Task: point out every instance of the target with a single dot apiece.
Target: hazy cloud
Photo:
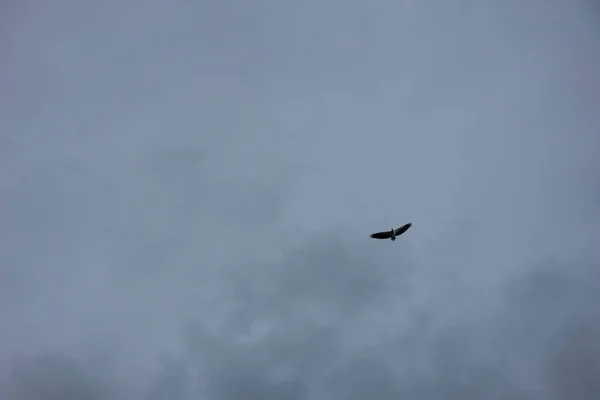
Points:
(189, 189)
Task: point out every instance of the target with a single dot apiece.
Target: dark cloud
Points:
(304, 328)
(56, 377)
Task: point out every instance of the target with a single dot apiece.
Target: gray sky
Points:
(188, 193)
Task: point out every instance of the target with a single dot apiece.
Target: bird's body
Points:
(391, 234)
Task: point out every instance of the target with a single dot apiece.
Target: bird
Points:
(391, 234)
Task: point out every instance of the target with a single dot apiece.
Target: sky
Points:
(188, 190)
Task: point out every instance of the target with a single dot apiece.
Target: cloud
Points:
(188, 195)
(53, 376)
(316, 325)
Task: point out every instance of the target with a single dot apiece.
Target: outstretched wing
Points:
(382, 235)
(403, 229)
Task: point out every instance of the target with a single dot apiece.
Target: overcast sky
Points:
(188, 189)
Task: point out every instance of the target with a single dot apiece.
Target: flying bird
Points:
(391, 234)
